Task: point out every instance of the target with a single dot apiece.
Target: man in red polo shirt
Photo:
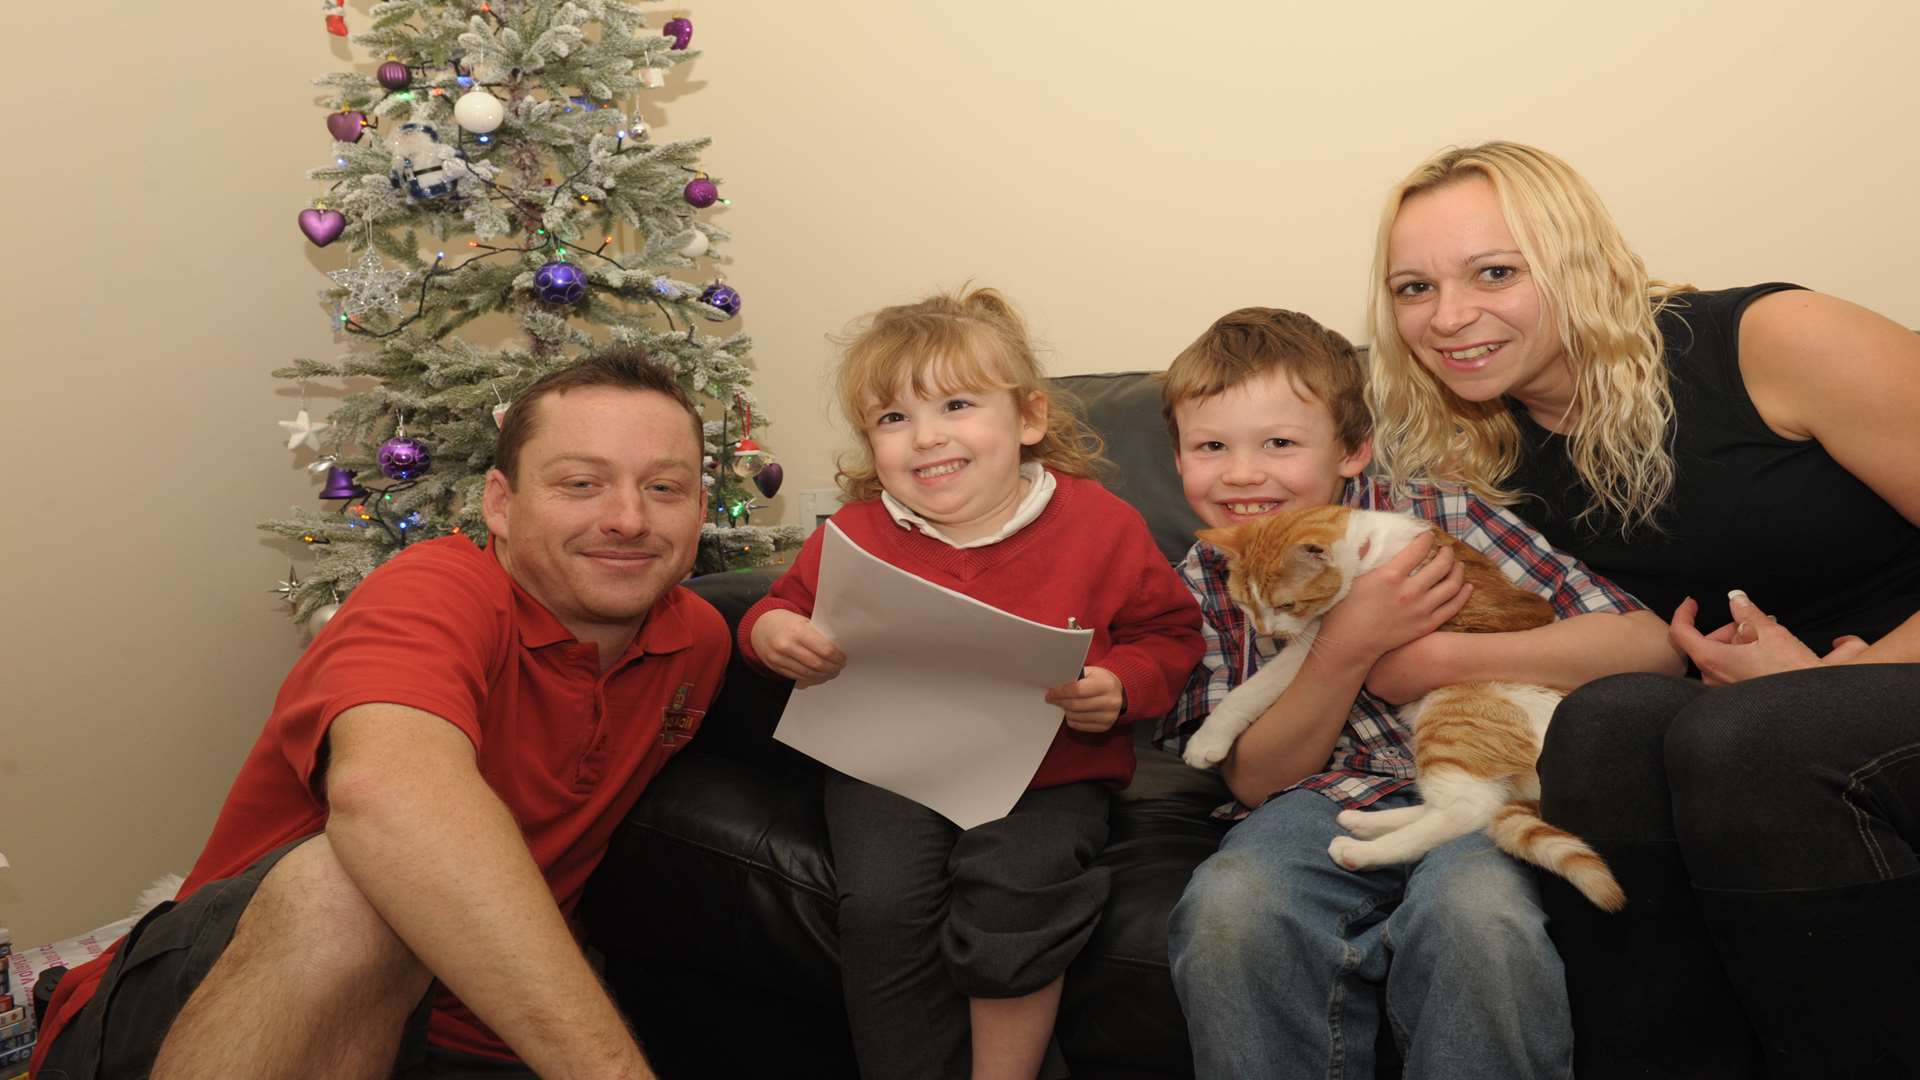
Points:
(440, 774)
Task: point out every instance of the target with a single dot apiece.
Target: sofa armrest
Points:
(740, 722)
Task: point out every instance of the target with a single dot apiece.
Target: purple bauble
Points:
(393, 75)
(402, 458)
(346, 125)
(701, 192)
(680, 30)
(559, 283)
(724, 297)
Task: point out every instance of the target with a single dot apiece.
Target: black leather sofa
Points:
(714, 908)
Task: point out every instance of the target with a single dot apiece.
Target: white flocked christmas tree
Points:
(505, 210)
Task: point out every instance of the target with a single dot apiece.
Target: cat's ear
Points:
(1227, 540)
(1311, 552)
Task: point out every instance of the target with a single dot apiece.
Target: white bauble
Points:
(697, 246)
(321, 616)
(479, 111)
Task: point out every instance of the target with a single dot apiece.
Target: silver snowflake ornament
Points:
(370, 286)
(285, 590)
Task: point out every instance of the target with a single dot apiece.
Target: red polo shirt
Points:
(568, 748)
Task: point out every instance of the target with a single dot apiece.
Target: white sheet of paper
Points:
(943, 697)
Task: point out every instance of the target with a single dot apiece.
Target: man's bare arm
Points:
(441, 859)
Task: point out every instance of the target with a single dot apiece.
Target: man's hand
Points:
(1093, 701)
(1393, 604)
(791, 645)
(1750, 646)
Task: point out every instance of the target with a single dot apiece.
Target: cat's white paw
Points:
(1207, 747)
(1361, 824)
(1372, 824)
(1350, 853)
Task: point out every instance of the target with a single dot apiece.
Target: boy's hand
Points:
(788, 643)
(1396, 603)
(1093, 701)
(1417, 668)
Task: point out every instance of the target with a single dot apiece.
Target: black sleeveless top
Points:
(1810, 543)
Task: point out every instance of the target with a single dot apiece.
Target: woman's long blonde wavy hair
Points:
(972, 341)
(1596, 291)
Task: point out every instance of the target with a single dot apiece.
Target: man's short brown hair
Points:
(626, 368)
(1246, 344)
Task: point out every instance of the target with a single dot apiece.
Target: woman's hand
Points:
(1393, 604)
(1750, 646)
(1093, 702)
(791, 645)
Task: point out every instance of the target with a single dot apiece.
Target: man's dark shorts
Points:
(163, 960)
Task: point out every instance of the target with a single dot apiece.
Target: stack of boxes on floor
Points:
(24, 969)
(16, 1016)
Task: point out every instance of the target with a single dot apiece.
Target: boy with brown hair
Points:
(1279, 955)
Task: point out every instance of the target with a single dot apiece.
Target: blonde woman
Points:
(1743, 459)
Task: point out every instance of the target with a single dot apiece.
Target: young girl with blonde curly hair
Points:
(953, 943)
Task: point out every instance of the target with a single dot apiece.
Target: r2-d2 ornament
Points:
(420, 163)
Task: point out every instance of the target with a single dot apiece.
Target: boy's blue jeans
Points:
(1279, 955)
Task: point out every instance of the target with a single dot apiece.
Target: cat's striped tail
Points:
(1516, 829)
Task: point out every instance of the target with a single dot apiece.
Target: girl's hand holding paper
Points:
(790, 644)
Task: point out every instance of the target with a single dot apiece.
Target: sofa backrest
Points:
(1124, 408)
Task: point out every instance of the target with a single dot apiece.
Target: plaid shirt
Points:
(1373, 755)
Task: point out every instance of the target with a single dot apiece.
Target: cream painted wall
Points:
(1125, 171)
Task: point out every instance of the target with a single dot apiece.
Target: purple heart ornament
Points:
(681, 31)
(768, 479)
(322, 227)
(346, 125)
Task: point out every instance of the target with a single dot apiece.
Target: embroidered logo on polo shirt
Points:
(677, 722)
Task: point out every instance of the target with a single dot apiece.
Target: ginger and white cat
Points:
(1475, 744)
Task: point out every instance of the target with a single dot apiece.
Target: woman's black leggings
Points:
(1765, 834)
